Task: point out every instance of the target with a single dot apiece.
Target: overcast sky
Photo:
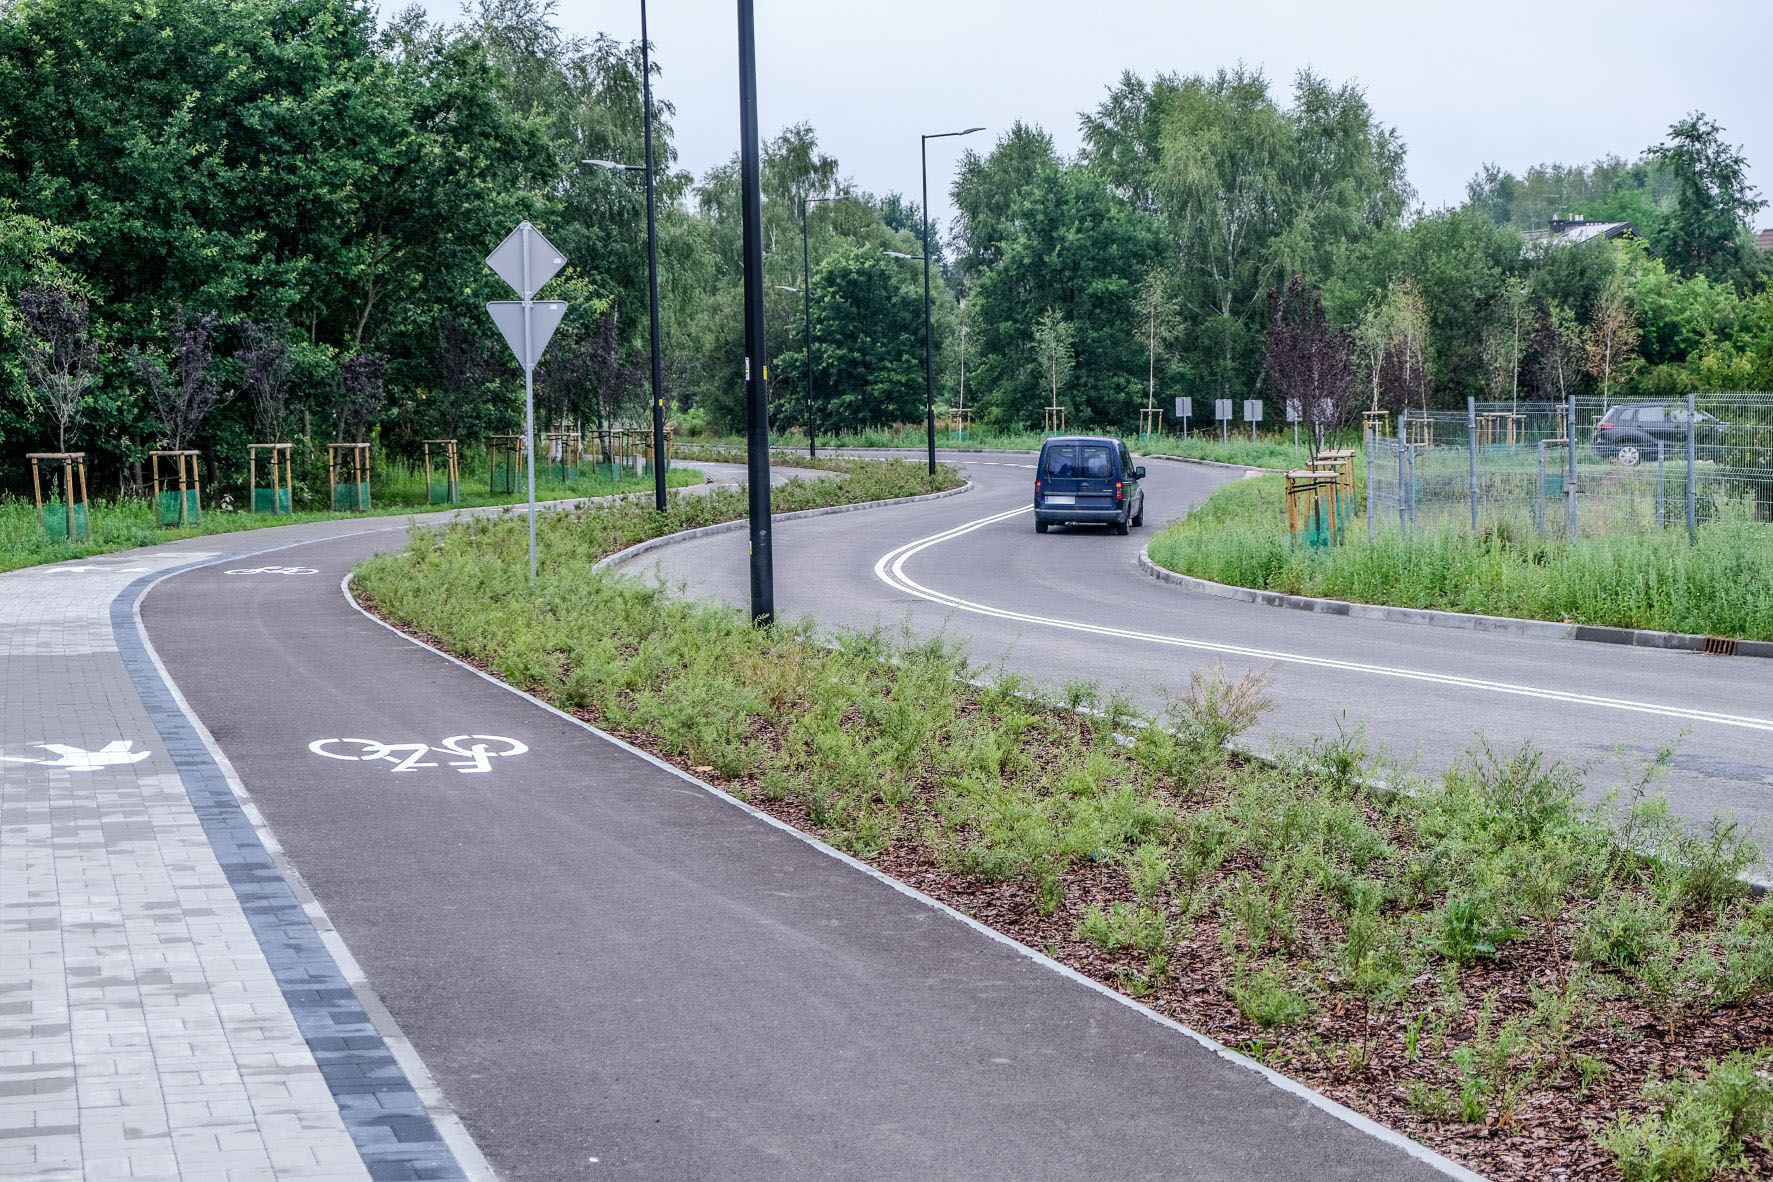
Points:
(1508, 81)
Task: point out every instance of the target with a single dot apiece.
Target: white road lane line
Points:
(890, 569)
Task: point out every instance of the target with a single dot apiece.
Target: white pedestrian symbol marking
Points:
(79, 759)
(272, 570)
(474, 753)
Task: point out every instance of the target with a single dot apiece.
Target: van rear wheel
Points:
(1040, 527)
(1122, 528)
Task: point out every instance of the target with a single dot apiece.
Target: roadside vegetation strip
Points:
(1480, 963)
(1653, 580)
(130, 523)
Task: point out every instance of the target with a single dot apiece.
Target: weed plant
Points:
(1634, 579)
(1483, 951)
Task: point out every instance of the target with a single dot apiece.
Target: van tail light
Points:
(1120, 492)
(1603, 425)
(1037, 492)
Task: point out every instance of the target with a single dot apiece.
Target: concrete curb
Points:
(639, 549)
(1506, 625)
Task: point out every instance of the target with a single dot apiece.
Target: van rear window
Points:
(1092, 461)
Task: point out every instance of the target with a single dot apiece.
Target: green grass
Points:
(1383, 946)
(395, 490)
(1267, 451)
(1641, 578)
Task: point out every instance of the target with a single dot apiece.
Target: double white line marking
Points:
(890, 569)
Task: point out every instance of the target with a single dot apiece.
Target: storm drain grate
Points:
(1719, 646)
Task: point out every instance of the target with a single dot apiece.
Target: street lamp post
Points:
(806, 316)
(929, 363)
(757, 409)
(652, 275)
(652, 269)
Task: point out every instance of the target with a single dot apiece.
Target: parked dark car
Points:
(1631, 432)
(1087, 480)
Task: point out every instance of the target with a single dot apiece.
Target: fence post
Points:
(1471, 447)
(1661, 486)
(1403, 517)
(1570, 522)
(1372, 446)
(1539, 495)
(1692, 494)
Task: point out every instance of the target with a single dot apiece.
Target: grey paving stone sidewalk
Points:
(143, 1033)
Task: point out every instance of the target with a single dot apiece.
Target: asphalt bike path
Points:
(611, 970)
(173, 1004)
(1072, 606)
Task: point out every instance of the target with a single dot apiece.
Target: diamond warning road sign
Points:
(523, 245)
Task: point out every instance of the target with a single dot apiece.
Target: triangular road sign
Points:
(545, 262)
(546, 316)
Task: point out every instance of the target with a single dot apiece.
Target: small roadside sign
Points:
(1222, 409)
(1252, 410)
(1184, 407)
(1292, 410)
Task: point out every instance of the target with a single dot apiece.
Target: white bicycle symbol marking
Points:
(272, 570)
(475, 752)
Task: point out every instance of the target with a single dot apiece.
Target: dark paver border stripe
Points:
(387, 1120)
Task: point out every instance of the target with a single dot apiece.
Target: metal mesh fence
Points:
(1633, 465)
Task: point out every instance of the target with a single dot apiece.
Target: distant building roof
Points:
(1764, 240)
(1564, 231)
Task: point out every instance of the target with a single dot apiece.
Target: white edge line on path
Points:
(449, 1125)
(890, 569)
(1346, 1115)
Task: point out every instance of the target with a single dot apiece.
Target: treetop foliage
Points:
(317, 191)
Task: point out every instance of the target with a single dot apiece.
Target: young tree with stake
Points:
(61, 357)
(1054, 344)
(184, 397)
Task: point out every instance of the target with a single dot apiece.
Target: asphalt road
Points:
(1073, 606)
(611, 972)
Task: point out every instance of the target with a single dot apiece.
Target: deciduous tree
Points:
(60, 354)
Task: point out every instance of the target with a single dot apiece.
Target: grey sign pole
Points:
(526, 261)
(529, 394)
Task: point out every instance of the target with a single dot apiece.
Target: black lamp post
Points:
(929, 363)
(652, 268)
(806, 316)
(757, 408)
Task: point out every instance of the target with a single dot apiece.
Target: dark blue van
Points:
(1087, 480)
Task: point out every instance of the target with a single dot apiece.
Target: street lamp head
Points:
(899, 254)
(969, 131)
(779, 287)
(940, 135)
(612, 165)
